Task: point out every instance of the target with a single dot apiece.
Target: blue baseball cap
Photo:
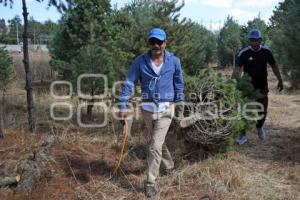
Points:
(254, 34)
(157, 33)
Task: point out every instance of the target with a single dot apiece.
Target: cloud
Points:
(256, 3)
(214, 26)
(242, 15)
(236, 3)
(214, 3)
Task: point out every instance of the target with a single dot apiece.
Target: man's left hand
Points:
(179, 108)
(280, 86)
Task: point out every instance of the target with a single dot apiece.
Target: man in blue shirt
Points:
(160, 75)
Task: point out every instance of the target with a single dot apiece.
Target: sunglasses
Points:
(154, 41)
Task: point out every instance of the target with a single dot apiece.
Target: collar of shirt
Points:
(257, 49)
(156, 68)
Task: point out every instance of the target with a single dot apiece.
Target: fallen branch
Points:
(7, 181)
(34, 166)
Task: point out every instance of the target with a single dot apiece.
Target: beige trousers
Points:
(158, 125)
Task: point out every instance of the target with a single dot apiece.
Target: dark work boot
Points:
(167, 172)
(150, 190)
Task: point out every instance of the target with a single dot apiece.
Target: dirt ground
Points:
(81, 163)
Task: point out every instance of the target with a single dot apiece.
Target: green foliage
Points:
(249, 95)
(225, 93)
(285, 38)
(229, 43)
(3, 27)
(121, 35)
(15, 28)
(87, 42)
(230, 94)
(3, 30)
(246, 87)
(6, 71)
(40, 33)
(195, 45)
(199, 48)
(15, 23)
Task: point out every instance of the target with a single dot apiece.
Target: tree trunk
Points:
(233, 60)
(1, 123)
(89, 110)
(90, 105)
(2, 109)
(28, 87)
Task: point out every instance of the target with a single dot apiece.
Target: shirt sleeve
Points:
(240, 60)
(270, 58)
(178, 83)
(130, 81)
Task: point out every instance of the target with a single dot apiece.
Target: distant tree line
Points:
(38, 32)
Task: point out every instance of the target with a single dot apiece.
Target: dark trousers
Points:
(264, 102)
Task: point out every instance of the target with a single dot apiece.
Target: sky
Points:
(210, 13)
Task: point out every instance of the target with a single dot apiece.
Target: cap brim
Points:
(156, 37)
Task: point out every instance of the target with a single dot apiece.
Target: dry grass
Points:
(238, 177)
(82, 160)
(39, 63)
(82, 166)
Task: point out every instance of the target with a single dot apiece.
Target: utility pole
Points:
(17, 34)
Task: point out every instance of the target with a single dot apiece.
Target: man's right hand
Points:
(123, 114)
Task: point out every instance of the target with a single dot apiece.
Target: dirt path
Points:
(276, 162)
(282, 132)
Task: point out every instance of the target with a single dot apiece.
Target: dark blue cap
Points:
(157, 33)
(254, 34)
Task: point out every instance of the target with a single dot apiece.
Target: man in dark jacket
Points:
(253, 60)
